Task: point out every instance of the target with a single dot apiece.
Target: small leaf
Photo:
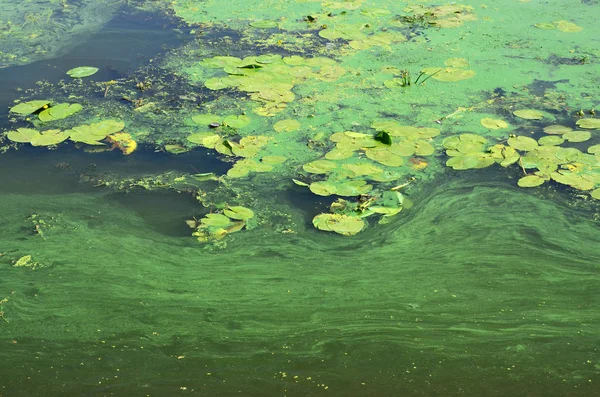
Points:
(383, 137)
(82, 71)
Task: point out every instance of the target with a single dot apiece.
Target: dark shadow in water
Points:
(38, 171)
(119, 48)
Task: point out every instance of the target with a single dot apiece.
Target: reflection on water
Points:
(480, 289)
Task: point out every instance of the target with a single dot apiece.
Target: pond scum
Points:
(339, 98)
(356, 107)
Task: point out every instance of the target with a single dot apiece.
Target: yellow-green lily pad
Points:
(59, 111)
(29, 107)
(493, 124)
(319, 166)
(590, 124)
(557, 129)
(287, 125)
(523, 143)
(239, 213)
(346, 225)
(531, 181)
(577, 136)
(551, 140)
(529, 114)
(594, 149)
(216, 220)
(82, 71)
(237, 121)
(49, 137)
(22, 135)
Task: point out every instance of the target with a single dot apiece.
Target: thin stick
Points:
(430, 76)
(521, 164)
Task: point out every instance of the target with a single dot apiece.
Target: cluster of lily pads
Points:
(565, 165)
(246, 148)
(347, 218)
(269, 78)
(91, 134)
(47, 110)
(215, 226)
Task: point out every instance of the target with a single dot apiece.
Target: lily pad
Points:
(237, 121)
(449, 74)
(569, 27)
(82, 71)
(577, 136)
(22, 135)
(594, 149)
(217, 220)
(493, 124)
(574, 180)
(531, 181)
(346, 225)
(596, 194)
(26, 108)
(524, 143)
(93, 133)
(590, 124)
(557, 129)
(319, 166)
(287, 125)
(551, 140)
(59, 111)
(49, 137)
(529, 114)
(239, 213)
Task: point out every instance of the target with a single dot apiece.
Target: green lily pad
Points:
(82, 71)
(237, 121)
(523, 143)
(531, 181)
(93, 133)
(557, 129)
(287, 125)
(216, 220)
(493, 124)
(59, 111)
(574, 180)
(591, 124)
(385, 157)
(551, 140)
(529, 114)
(449, 74)
(22, 135)
(594, 149)
(49, 137)
(577, 136)
(596, 194)
(342, 224)
(319, 166)
(466, 162)
(26, 108)
(239, 213)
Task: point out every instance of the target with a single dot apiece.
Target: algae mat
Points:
(483, 288)
(385, 198)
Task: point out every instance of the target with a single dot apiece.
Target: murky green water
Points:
(480, 288)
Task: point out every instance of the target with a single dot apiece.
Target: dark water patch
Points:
(539, 87)
(166, 212)
(126, 43)
(39, 170)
